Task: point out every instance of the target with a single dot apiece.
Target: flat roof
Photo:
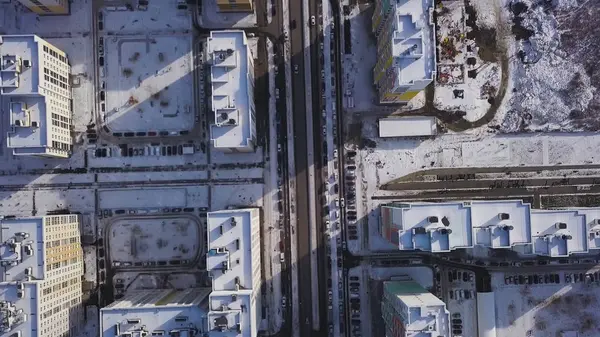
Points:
(491, 231)
(413, 41)
(551, 240)
(34, 237)
(412, 126)
(232, 81)
(451, 230)
(227, 313)
(25, 47)
(229, 244)
(494, 224)
(156, 310)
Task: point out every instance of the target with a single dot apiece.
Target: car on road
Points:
(296, 69)
(283, 302)
(335, 153)
(313, 21)
(277, 93)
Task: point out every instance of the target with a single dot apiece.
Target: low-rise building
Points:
(406, 59)
(164, 312)
(47, 7)
(234, 263)
(36, 93)
(232, 91)
(496, 224)
(409, 310)
(40, 282)
(410, 126)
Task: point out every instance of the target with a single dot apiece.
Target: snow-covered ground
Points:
(546, 309)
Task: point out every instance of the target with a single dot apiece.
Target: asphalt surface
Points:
(300, 153)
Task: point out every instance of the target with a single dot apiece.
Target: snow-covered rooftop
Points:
(441, 227)
(411, 126)
(421, 313)
(432, 227)
(232, 83)
(413, 41)
(230, 257)
(19, 85)
(233, 262)
(501, 224)
(154, 311)
(558, 233)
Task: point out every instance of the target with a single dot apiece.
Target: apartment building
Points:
(164, 312)
(408, 310)
(235, 5)
(234, 264)
(232, 98)
(495, 224)
(40, 282)
(36, 93)
(406, 58)
(47, 7)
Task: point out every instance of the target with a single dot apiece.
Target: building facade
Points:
(36, 92)
(47, 7)
(234, 264)
(40, 282)
(235, 5)
(410, 310)
(156, 313)
(232, 94)
(496, 224)
(406, 58)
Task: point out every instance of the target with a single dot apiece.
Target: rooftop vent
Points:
(233, 222)
(26, 63)
(229, 51)
(503, 216)
(418, 230)
(433, 219)
(508, 228)
(566, 237)
(445, 231)
(34, 124)
(560, 225)
(445, 221)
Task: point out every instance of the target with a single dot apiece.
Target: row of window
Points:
(64, 263)
(62, 219)
(55, 54)
(55, 75)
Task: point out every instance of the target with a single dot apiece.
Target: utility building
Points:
(36, 93)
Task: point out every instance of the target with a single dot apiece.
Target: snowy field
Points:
(149, 83)
(546, 310)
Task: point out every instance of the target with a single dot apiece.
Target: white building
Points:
(410, 126)
(36, 93)
(406, 58)
(232, 95)
(501, 224)
(234, 263)
(40, 281)
(156, 313)
(409, 310)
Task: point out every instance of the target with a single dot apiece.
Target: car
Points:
(335, 153)
(283, 302)
(324, 130)
(277, 93)
(296, 69)
(508, 280)
(293, 25)
(313, 21)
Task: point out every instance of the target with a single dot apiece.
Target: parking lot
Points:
(559, 302)
(153, 241)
